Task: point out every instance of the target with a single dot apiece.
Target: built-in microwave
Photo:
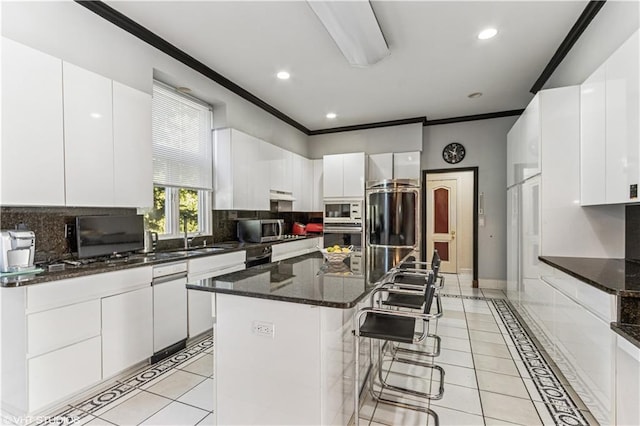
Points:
(260, 230)
(343, 211)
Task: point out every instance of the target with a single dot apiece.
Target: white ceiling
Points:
(436, 59)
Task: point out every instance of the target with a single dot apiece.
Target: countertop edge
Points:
(579, 276)
(310, 302)
(630, 332)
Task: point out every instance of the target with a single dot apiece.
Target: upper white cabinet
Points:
(592, 139)
(523, 145)
(317, 186)
(610, 137)
(240, 167)
(132, 157)
(32, 156)
(302, 181)
(344, 175)
(280, 168)
(88, 134)
(380, 167)
(394, 165)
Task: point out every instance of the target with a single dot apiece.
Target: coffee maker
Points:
(17, 250)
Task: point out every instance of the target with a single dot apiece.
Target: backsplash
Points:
(51, 243)
(632, 233)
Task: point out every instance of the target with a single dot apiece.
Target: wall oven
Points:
(344, 234)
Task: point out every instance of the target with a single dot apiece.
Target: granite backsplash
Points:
(48, 223)
(632, 233)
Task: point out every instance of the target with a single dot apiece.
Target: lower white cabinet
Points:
(200, 312)
(627, 383)
(291, 249)
(57, 374)
(127, 330)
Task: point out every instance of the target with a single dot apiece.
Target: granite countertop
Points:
(308, 279)
(628, 331)
(614, 276)
(133, 261)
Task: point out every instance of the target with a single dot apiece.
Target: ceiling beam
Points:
(587, 15)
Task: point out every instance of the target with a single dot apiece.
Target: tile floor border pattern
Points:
(559, 403)
(77, 411)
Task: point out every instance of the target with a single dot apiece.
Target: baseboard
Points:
(492, 284)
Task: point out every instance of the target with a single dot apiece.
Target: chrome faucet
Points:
(186, 235)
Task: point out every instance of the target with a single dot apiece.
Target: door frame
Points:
(423, 219)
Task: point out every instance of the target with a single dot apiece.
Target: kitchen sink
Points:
(205, 250)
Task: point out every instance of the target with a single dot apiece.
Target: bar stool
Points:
(395, 326)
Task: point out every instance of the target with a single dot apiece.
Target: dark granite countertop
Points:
(133, 261)
(614, 276)
(308, 279)
(628, 331)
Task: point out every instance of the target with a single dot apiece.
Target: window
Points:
(182, 158)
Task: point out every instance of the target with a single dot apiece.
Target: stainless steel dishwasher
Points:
(169, 309)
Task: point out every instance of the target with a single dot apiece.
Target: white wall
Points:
(485, 143)
(615, 23)
(403, 138)
(73, 33)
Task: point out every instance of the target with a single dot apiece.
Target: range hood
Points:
(280, 196)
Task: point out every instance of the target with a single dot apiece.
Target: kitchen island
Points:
(282, 337)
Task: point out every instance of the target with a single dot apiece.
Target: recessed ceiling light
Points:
(487, 34)
(283, 75)
(474, 95)
(183, 89)
(331, 115)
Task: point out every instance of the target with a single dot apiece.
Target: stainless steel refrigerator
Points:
(393, 213)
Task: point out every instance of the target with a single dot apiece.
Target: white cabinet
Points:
(344, 175)
(32, 135)
(610, 137)
(127, 330)
(280, 168)
(302, 183)
(406, 165)
(523, 145)
(317, 203)
(291, 249)
(132, 157)
(627, 383)
(380, 167)
(394, 165)
(592, 139)
(88, 135)
(239, 172)
(170, 320)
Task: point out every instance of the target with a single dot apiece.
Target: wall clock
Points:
(453, 153)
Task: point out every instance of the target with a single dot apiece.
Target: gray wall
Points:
(614, 24)
(485, 143)
(404, 138)
(69, 31)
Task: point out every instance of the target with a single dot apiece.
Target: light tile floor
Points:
(494, 375)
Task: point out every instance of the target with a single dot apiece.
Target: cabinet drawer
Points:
(218, 261)
(66, 292)
(57, 375)
(60, 327)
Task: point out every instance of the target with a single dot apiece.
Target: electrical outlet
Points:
(263, 328)
(69, 230)
(633, 191)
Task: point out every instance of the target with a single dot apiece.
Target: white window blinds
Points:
(181, 140)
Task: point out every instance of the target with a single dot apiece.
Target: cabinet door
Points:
(317, 185)
(200, 312)
(32, 135)
(622, 115)
(132, 158)
(222, 172)
(259, 177)
(58, 374)
(332, 176)
(592, 139)
(241, 159)
(127, 330)
(514, 168)
(307, 185)
(627, 383)
(406, 165)
(530, 148)
(380, 167)
(297, 183)
(353, 175)
(88, 137)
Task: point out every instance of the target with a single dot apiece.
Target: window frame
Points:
(173, 225)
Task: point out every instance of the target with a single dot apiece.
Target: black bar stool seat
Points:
(385, 327)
